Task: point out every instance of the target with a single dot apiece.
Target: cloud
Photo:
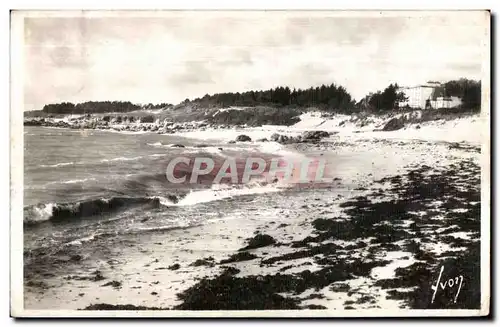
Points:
(188, 54)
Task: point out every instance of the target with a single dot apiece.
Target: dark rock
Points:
(314, 135)
(284, 139)
(147, 119)
(243, 138)
(98, 276)
(32, 123)
(393, 124)
(202, 262)
(258, 241)
(262, 140)
(175, 266)
(114, 284)
(275, 137)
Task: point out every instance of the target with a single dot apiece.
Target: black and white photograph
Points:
(260, 163)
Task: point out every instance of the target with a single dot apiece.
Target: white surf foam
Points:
(74, 181)
(41, 213)
(61, 164)
(121, 159)
(71, 181)
(156, 144)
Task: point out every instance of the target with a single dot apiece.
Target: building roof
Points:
(427, 85)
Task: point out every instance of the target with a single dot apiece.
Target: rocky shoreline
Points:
(154, 124)
(130, 124)
(120, 124)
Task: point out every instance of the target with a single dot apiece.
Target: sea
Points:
(85, 190)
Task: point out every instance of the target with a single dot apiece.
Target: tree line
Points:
(333, 98)
(324, 96)
(468, 90)
(388, 99)
(90, 107)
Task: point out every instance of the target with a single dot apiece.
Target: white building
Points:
(427, 96)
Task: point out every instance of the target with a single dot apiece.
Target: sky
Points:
(167, 57)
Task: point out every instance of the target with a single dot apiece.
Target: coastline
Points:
(373, 168)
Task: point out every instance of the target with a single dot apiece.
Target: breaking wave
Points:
(61, 212)
(57, 212)
(220, 192)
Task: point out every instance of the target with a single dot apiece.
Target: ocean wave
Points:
(61, 164)
(71, 163)
(71, 181)
(61, 212)
(74, 181)
(176, 145)
(121, 159)
(215, 150)
(57, 212)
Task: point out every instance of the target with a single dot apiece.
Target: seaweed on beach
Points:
(426, 198)
(226, 292)
(426, 207)
(125, 307)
